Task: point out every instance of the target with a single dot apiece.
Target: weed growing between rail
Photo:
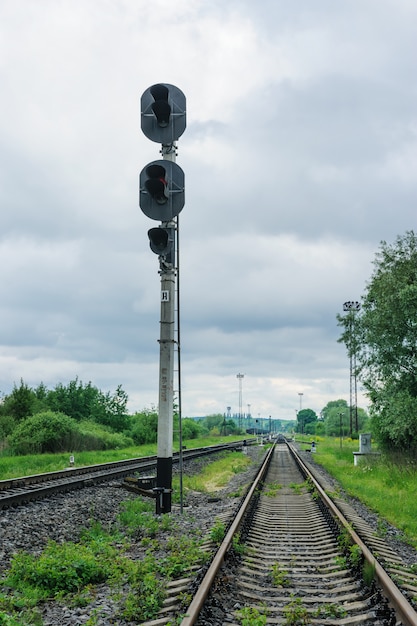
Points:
(298, 487)
(238, 546)
(330, 610)
(250, 616)
(279, 576)
(271, 490)
(295, 612)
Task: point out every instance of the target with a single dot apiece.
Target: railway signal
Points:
(161, 190)
(162, 242)
(163, 115)
(161, 197)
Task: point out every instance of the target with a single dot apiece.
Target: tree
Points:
(87, 402)
(386, 343)
(336, 418)
(306, 421)
(214, 422)
(20, 403)
(75, 399)
(115, 409)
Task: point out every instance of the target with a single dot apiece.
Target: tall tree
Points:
(387, 342)
(336, 418)
(86, 402)
(306, 422)
(20, 403)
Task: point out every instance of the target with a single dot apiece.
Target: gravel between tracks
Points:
(62, 517)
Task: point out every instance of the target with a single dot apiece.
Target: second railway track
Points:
(15, 491)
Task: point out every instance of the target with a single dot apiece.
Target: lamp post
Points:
(240, 378)
(301, 406)
(351, 307)
(340, 428)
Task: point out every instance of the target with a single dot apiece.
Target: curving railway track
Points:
(304, 560)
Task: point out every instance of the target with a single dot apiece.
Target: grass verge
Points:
(387, 486)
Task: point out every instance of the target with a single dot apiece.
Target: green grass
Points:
(26, 465)
(384, 485)
(215, 475)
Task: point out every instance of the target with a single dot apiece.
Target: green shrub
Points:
(146, 600)
(44, 432)
(95, 436)
(144, 427)
(60, 568)
(7, 424)
(190, 429)
(56, 432)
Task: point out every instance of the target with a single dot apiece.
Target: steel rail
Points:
(200, 597)
(20, 481)
(16, 490)
(400, 604)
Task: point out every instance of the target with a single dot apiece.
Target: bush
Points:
(144, 427)
(190, 429)
(7, 424)
(93, 436)
(44, 432)
(60, 568)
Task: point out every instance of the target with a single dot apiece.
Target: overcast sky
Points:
(299, 158)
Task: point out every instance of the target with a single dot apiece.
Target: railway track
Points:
(303, 560)
(16, 491)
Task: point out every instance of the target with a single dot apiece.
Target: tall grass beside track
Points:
(386, 485)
